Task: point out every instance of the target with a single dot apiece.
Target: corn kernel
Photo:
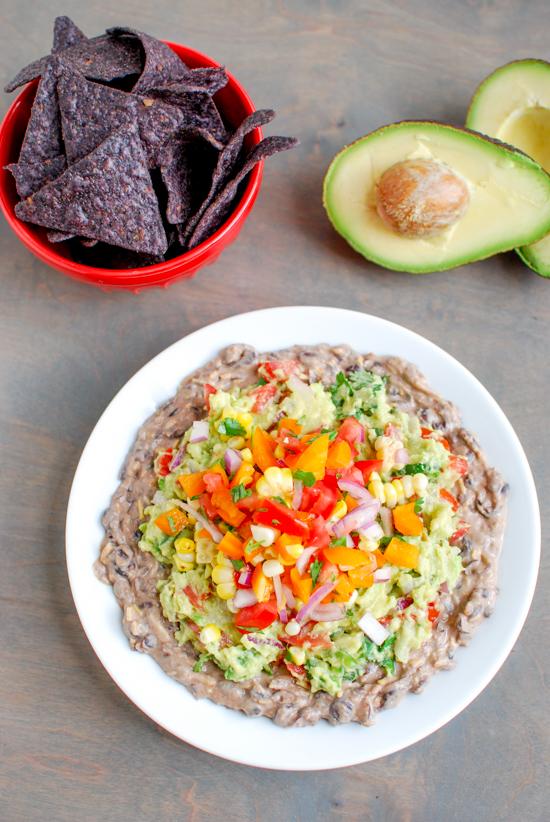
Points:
(275, 482)
(295, 550)
(279, 452)
(184, 544)
(246, 454)
(272, 568)
(376, 488)
(221, 573)
(408, 487)
(264, 534)
(390, 494)
(420, 483)
(399, 490)
(340, 510)
(236, 443)
(226, 590)
(222, 559)
(188, 556)
(292, 628)
(210, 633)
(297, 654)
(182, 565)
(256, 560)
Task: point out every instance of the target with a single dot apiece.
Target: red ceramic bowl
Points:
(234, 104)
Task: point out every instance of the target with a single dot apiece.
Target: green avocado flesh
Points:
(513, 104)
(509, 197)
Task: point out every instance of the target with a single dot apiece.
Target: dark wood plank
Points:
(71, 746)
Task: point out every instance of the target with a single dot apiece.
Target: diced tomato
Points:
(278, 369)
(351, 431)
(433, 612)
(426, 433)
(462, 529)
(206, 503)
(250, 503)
(261, 615)
(318, 534)
(321, 498)
(263, 395)
(214, 481)
(448, 497)
(208, 390)
(459, 464)
(385, 620)
(430, 434)
(279, 516)
(194, 598)
(368, 466)
(329, 573)
(311, 640)
(297, 671)
(163, 462)
(354, 474)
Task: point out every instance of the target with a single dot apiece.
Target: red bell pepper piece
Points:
(448, 497)
(318, 535)
(278, 369)
(279, 516)
(263, 395)
(462, 529)
(261, 615)
(208, 389)
(163, 463)
(459, 464)
(433, 612)
(368, 466)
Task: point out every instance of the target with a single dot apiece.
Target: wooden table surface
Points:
(71, 746)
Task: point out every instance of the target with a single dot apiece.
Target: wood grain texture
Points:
(71, 746)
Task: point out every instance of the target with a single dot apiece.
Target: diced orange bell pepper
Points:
(314, 459)
(251, 547)
(361, 577)
(343, 589)
(231, 546)
(281, 547)
(192, 484)
(351, 502)
(379, 556)
(226, 508)
(244, 475)
(218, 469)
(171, 522)
(402, 553)
(339, 456)
(301, 585)
(288, 424)
(406, 521)
(261, 585)
(351, 557)
(263, 447)
(450, 498)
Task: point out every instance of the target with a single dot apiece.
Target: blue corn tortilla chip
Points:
(65, 34)
(181, 161)
(29, 177)
(226, 163)
(106, 196)
(206, 80)
(102, 58)
(219, 208)
(158, 121)
(198, 110)
(42, 139)
(161, 64)
(89, 111)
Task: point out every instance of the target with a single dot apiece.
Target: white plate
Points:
(259, 741)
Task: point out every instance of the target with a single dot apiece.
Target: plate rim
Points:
(497, 660)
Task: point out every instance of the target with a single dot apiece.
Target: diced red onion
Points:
(176, 460)
(245, 577)
(401, 456)
(298, 493)
(289, 596)
(373, 629)
(244, 598)
(444, 588)
(327, 613)
(200, 431)
(355, 490)
(316, 597)
(232, 460)
(303, 559)
(374, 531)
(382, 574)
(387, 521)
(258, 639)
(361, 517)
(214, 532)
(280, 597)
(404, 602)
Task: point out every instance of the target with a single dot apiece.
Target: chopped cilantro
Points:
(262, 381)
(282, 501)
(161, 482)
(240, 492)
(384, 542)
(197, 496)
(306, 477)
(171, 523)
(231, 428)
(379, 432)
(315, 570)
(418, 505)
(339, 541)
(382, 655)
(251, 545)
(237, 564)
(417, 468)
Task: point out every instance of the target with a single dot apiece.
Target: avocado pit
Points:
(421, 198)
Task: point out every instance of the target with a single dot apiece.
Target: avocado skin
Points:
(523, 253)
(526, 160)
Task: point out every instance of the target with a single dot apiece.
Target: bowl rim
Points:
(305, 748)
(94, 274)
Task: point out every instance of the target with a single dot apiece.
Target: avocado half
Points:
(509, 196)
(513, 104)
